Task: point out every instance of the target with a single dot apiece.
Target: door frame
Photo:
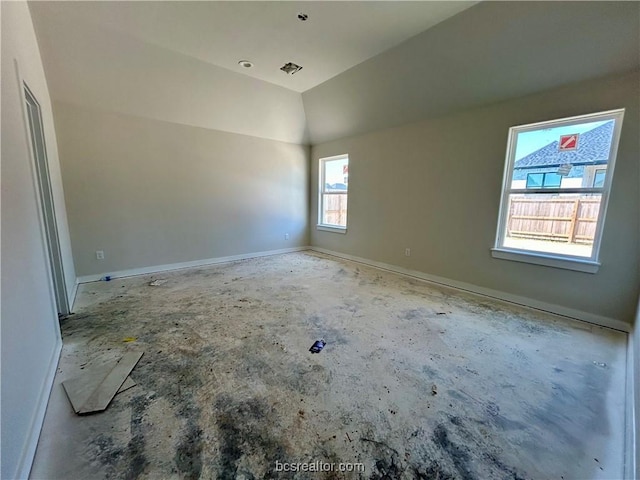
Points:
(40, 162)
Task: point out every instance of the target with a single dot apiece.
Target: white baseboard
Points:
(632, 426)
(487, 292)
(467, 287)
(177, 266)
(29, 451)
(632, 453)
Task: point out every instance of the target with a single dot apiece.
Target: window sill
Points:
(547, 260)
(331, 228)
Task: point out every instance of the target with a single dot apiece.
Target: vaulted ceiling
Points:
(336, 35)
(366, 65)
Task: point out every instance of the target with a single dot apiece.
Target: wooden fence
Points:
(335, 212)
(567, 219)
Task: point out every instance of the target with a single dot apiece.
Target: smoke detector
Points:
(245, 63)
(291, 68)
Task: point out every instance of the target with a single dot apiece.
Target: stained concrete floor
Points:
(416, 381)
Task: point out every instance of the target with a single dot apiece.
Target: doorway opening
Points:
(34, 117)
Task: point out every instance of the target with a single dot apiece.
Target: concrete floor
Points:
(416, 381)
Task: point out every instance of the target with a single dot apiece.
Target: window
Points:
(556, 185)
(598, 179)
(543, 180)
(334, 187)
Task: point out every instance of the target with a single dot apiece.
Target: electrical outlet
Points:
(286, 236)
(407, 252)
(100, 254)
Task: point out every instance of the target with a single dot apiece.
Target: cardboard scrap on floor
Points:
(94, 390)
(128, 383)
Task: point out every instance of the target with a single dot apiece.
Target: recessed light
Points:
(291, 68)
(303, 17)
(245, 63)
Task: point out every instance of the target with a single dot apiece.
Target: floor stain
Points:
(459, 454)
(244, 436)
(227, 387)
(136, 446)
(188, 457)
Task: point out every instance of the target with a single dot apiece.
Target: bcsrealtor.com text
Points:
(318, 466)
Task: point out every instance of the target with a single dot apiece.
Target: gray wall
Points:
(29, 327)
(491, 52)
(149, 192)
(95, 66)
(434, 186)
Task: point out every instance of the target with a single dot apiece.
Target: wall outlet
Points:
(407, 252)
(286, 236)
(100, 254)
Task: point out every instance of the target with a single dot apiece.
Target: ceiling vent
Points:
(303, 17)
(291, 68)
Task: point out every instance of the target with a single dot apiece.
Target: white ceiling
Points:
(489, 53)
(366, 65)
(336, 37)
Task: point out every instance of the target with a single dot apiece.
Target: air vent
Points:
(291, 68)
(303, 17)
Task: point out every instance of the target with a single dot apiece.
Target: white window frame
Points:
(570, 262)
(321, 192)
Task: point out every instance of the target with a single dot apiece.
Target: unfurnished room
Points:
(320, 240)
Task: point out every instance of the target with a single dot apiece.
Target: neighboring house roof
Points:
(593, 149)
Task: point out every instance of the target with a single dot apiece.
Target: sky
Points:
(334, 171)
(529, 142)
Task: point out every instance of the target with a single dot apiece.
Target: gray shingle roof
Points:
(593, 149)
